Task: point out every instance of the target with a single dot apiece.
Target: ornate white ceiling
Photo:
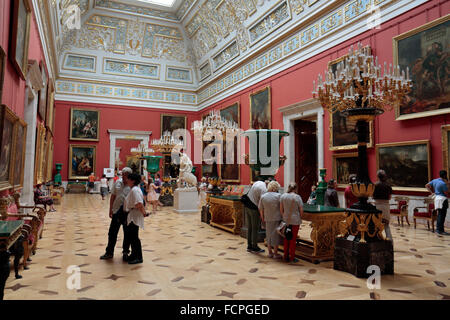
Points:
(188, 53)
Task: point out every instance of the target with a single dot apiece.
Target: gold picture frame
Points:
(85, 161)
(49, 159)
(445, 147)
(415, 43)
(84, 124)
(40, 153)
(228, 113)
(20, 38)
(50, 106)
(171, 122)
(7, 127)
(261, 105)
(344, 137)
(340, 173)
(20, 135)
(43, 94)
(392, 157)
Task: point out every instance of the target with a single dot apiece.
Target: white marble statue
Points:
(186, 178)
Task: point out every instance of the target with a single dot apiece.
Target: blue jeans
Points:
(442, 213)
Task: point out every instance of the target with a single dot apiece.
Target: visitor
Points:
(91, 184)
(202, 189)
(118, 216)
(439, 188)
(291, 208)
(134, 205)
(350, 198)
(312, 200)
(144, 188)
(269, 209)
(251, 202)
(103, 186)
(158, 184)
(331, 196)
(41, 198)
(382, 195)
(152, 196)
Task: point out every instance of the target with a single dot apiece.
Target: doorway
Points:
(306, 156)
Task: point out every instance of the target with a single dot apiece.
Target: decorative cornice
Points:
(130, 132)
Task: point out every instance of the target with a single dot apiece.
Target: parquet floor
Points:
(187, 259)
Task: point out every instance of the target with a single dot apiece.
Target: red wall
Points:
(296, 84)
(111, 117)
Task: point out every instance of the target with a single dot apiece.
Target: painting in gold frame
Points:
(39, 154)
(407, 164)
(424, 51)
(43, 93)
(172, 122)
(20, 37)
(342, 130)
(231, 172)
(20, 134)
(134, 163)
(260, 109)
(84, 124)
(82, 159)
(49, 162)
(2, 71)
(344, 164)
(50, 106)
(7, 124)
(445, 147)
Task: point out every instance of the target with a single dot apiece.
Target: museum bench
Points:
(400, 209)
(427, 212)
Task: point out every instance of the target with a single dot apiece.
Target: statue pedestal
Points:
(186, 200)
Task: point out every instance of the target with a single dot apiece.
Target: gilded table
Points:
(10, 232)
(325, 228)
(226, 213)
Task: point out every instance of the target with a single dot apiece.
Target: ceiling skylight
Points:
(166, 3)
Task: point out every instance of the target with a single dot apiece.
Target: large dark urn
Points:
(361, 243)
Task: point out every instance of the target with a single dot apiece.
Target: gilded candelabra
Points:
(361, 91)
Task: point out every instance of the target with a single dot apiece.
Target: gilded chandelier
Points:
(213, 122)
(359, 83)
(166, 143)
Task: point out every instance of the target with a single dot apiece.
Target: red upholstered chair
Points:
(400, 209)
(426, 213)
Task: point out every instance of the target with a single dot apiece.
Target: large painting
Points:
(426, 52)
(260, 109)
(342, 130)
(7, 123)
(2, 71)
(84, 124)
(172, 122)
(83, 161)
(344, 164)
(231, 172)
(50, 105)
(446, 148)
(407, 164)
(20, 35)
(49, 160)
(43, 94)
(39, 154)
(20, 134)
(134, 163)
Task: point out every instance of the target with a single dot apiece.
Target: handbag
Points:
(248, 203)
(281, 229)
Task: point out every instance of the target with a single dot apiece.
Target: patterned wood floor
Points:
(186, 259)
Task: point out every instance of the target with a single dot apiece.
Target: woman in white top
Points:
(269, 208)
(291, 208)
(134, 205)
(103, 187)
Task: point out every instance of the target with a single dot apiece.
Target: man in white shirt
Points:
(252, 216)
(118, 216)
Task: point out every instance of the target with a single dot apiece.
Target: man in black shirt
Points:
(331, 196)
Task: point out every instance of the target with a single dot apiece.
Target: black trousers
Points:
(118, 219)
(442, 213)
(133, 235)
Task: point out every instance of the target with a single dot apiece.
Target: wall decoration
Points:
(231, 172)
(43, 93)
(178, 74)
(78, 62)
(2, 71)
(134, 163)
(171, 122)
(20, 135)
(270, 22)
(49, 118)
(446, 148)
(425, 52)
(20, 36)
(83, 161)
(7, 123)
(49, 162)
(131, 69)
(230, 52)
(260, 109)
(84, 124)
(342, 130)
(205, 71)
(39, 154)
(344, 164)
(407, 164)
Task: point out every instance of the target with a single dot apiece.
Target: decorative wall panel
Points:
(79, 63)
(226, 55)
(273, 20)
(178, 74)
(118, 6)
(130, 69)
